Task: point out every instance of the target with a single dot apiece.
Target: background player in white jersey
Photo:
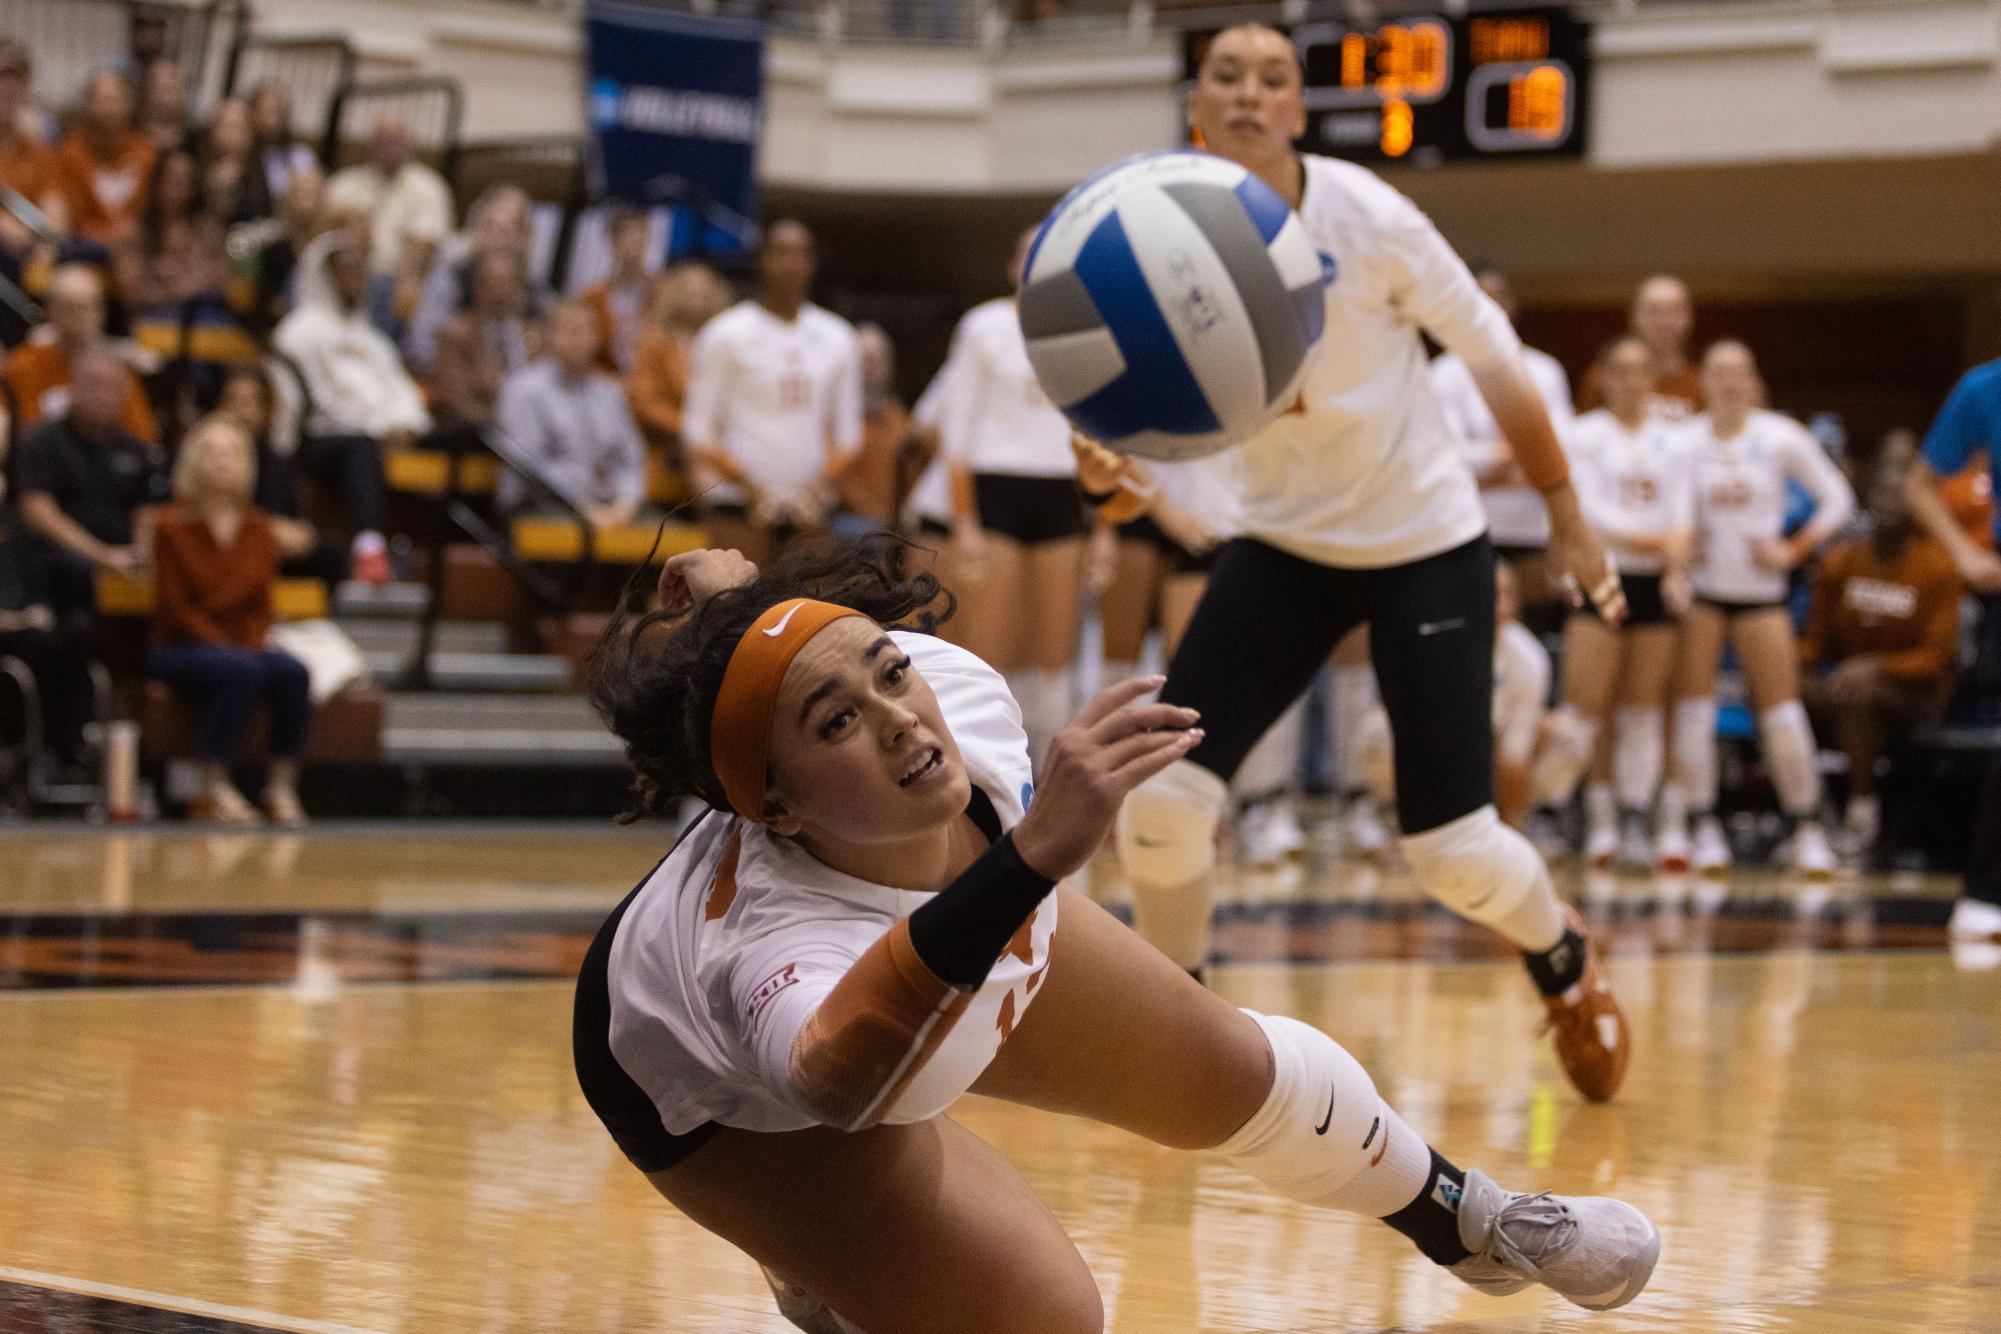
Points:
(1634, 475)
(1358, 510)
(1019, 527)
(774, 407)
(1517, 522)
(1539, 753)
(774, 1023)
(1742, 457)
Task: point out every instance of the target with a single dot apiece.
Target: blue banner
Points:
(675, 106)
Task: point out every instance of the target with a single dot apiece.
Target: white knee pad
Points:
(1488, 873)
(1272, 765)
(1786, 737)
(1044, 697)
(1355, 698)
(1167, 844)
(1375, 756)
(1639, 733)
(1564, 742)
(1324, 1136)
(1695, 751)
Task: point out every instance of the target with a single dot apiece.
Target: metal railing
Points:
(72, 39)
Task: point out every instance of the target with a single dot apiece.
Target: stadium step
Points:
(469, 730)
(380, 601)
(374, 635)
(478, 671)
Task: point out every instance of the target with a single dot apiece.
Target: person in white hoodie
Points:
(363, 399)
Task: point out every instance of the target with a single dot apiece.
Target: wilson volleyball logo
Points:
(1170, 303)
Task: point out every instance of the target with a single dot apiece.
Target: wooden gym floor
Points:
(321, 1082)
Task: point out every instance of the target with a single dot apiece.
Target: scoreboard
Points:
(1423, 89)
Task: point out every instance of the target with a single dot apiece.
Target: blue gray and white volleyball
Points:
(1170, 303)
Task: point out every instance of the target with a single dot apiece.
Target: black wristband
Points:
(966, 927)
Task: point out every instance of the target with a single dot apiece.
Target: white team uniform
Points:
(1204, 489)
(708, 990)
(1369, 475)
(1516, 515)
(1740, 498)
(773, 395)
(996, 419)
(1633, 483)
(931, 494)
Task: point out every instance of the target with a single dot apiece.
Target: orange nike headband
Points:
(740, 725)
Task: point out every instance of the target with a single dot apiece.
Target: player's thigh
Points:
(1054, 580)
(1698, 652)
(1353, 650)
(1125, 608)
(1265, 623)
(1591, 662)
(992, 603)
(1180, 594)
(901, 1229)
(1765, 646)
(1646, 665)
(1431, 637)
(1120, 1035)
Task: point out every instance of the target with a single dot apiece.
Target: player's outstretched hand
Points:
(693, 577)
(1109, 749)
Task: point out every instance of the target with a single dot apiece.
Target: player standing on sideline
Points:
(1358, 510)
(865, 926)
(1634, 477)
(1018, 527)
(774, 407)
(1662, 318)
(1969, 422)
(1741, 457)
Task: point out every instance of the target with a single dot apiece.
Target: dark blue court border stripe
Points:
(31, 1310)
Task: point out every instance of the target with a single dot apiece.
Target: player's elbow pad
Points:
(873, 1034)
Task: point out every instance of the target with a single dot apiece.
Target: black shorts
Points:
(1732, 609)
(1179, 558)
(1508, 553)
(1268, 620)
(933, 530)
(1029, 510)
(1644, 603)
(617, 1099)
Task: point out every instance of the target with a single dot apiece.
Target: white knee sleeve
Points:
(1488, 873)
(1375, 756)
(1044, 697)
(1272, 765)
(1695, 751)
(1638, 735)
(1786, 737)
(1324, 1136)
(1167, 844)
(1564, 742)
(1115, 670)
(1354, 699)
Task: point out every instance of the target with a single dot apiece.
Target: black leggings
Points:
(1268, 620)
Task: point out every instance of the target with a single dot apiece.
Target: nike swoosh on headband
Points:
(785, 620)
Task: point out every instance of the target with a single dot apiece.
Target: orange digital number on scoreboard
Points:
(1494, 40)
(1539, 102)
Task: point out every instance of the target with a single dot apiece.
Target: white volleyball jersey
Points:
(1740, 500)
(931, 494)
(1633, 483)
(1516, 515)
(996, 418)
(1521, 690)
(774, 395)
(1368, 474)
(737, 936)
(1204, 489)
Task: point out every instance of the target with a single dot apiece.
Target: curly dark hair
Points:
(654, 678)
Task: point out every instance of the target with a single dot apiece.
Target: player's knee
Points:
(1475, 865)
(1564, 742)
(1167, 827)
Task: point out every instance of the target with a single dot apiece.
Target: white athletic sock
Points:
(1671, 816)
(1044, 697)
(1600, 808)
(1639, 736)
(1114, 671)
(1354, 699)
(1272, 765)
(1695, 751)
(1564, 743)
(1324, 1136)
(1787, 740)
(1488, 873)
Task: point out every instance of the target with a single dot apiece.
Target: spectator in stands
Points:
(1877, 654)
(85, 484)
(497, 223)
(273, 245)
(41, 368)
(176, 252)
(146, 40)
(101, 169)
(57, 654)
(1969, 423)
(248, 397)
(364, 401)
(163, 106)
(278, 149)
(1663, 317)
(215, 563)
(620, 300)
(232, 175)
(871, 488)
(774, 403)
(482, 345)
(566, 420)
(27, 166)
(686, 297)
(407, 205)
